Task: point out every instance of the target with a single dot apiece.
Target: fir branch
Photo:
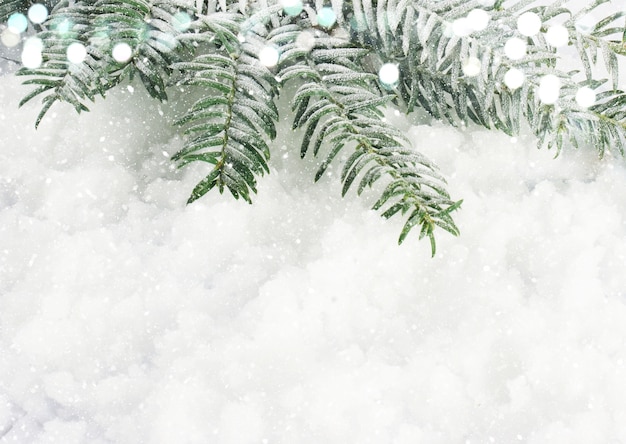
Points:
(57, 78)
(339, 104)
(147, 29)
(223, 126)
(456, 75)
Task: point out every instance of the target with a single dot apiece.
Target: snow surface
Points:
(128, 317)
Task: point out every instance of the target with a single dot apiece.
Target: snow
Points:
(128, 317)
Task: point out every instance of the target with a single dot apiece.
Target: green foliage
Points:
(339, 99)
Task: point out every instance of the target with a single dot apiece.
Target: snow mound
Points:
(128, 317)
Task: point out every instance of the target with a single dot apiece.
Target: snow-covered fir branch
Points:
(493, 63)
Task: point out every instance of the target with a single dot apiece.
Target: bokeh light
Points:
(326, 17)
(471, 67)
(64, 27)
(389, 74)
(9, 38)
(478, 19)
(167, 42)
(462, 27)
(181, 22)
(557, 36)
(32, 57)
(17, 23)
(305, 40)
(528, 24)
(549, 89)
(585, 24)
(586, 97)
(37, 13)
(34, 42)
(76, 52)
(292, 7)
(514, 78)
(515, 48)
(268, 56)
(122, 52)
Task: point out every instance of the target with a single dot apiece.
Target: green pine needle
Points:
(219, 48)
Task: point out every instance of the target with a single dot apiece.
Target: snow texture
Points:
(128, 317)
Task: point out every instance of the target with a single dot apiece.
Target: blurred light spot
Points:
(17, 23)
(306, 40)
(35, 43)
(31, 53)
(76, 52)
(9, 38)
(167, 41)
(549, 89)
(557, 36)
(389, 74)
(515, 48)
(292, 7)
(268, 56)
(471, 67)
(32, 59)
(38, 13)
(528, 24)
(478, 19)
(64, 27)
(586, 97)
(181, 22)
(326, 17)
(122, 52)
(585, 24)
(462, 27)
(514, 78)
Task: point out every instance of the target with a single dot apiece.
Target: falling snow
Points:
(127, 316)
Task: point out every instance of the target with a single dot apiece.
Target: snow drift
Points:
(128, 317)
